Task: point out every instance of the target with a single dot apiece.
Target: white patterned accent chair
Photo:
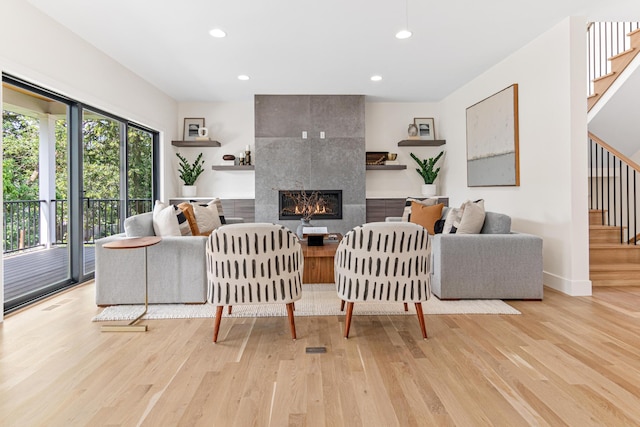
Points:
(383, 262)
(253, 263)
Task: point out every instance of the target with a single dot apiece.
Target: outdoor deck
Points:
(36, 269)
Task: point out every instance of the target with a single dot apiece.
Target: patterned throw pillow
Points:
(169, 220)
(207, 218)
(218, 204)
(406, 214)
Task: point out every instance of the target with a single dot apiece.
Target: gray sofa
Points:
(176, 267)
(495, 264)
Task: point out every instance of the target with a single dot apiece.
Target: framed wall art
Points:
(191, 127)
(492, 140)
(426, 128)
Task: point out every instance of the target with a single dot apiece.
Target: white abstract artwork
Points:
(492, 140)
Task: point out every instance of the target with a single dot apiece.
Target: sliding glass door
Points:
(71, 175)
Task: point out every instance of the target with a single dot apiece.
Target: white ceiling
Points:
(316, 46)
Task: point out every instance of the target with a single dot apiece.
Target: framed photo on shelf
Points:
(191, 127)
(426, 128)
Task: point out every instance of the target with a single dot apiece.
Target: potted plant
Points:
(428, 173)
(189, 173)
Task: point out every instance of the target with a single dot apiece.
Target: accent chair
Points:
(383, 262)
(253, 263)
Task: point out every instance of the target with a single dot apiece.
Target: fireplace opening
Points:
(326, 204)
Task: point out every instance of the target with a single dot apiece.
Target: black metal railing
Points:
(613, 189)
(604, 40)
(101, 217)
(21, 224)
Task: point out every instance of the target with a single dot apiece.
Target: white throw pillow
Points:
(472, 218)
(207, 217)
(454, 215)
(165, 221)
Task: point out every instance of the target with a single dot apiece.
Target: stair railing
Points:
(604, 40)
(613, 188)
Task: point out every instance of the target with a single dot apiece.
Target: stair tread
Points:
(631, 266)
(626, 52)
(623, 246)
(604, 76)
(604, 227)
(637, 30)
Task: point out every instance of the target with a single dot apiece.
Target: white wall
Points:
(230, 123)
(551, 200)
(39, 50)
(385, 125)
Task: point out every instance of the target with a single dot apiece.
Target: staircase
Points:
(611, 263)
(617, 56)
(614, 247)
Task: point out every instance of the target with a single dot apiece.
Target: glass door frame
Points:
(75, 199)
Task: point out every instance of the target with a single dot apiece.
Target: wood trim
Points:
(618, 154)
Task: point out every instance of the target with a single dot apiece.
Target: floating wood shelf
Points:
(209, 143)
(386, 167)
(233, 167)
(421, 143)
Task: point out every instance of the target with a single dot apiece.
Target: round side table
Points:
(133, 243)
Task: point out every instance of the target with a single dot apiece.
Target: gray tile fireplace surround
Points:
(286, 161)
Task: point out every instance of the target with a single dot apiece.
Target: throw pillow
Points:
(218, 204)
(188, 211)
(452, 221)
(426, 216)
(472, 218)
(406, 214)
(165, 222)
(207, 218)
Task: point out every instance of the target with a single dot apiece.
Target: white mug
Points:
(203, 132)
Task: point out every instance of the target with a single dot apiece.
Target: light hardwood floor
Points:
(565, 361)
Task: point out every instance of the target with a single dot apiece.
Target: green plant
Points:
(426, 170)
(190, 172)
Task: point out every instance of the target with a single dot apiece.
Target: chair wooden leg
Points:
(341, 305)
(423, 327)
(292, 323)
(229, 309)
(216, 324)
(406, 307)
(347, 320)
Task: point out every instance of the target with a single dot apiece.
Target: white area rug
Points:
(317, 300)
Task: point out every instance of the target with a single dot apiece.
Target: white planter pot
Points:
(189, 191)
(429, 190)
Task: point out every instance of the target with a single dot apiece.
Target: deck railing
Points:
(613, 189)
(101, 217)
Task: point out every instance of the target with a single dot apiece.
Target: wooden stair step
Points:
(615, 274)
(612, 253)
(604, 234)
(604, 76)
(595, 216)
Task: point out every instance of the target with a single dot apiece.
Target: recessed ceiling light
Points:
(243, 77)
(403, 34)
(376, 78)
(217, 33)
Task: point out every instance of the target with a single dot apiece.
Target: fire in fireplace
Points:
(328, 204)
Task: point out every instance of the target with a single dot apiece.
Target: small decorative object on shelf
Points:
(391, 159)
(229, 159)
(412, 131)
(192, 128)
(203, 134)
(247, 156)
(426, 128)
(241, 159)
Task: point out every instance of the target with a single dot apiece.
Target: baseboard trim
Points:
(574, 288)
